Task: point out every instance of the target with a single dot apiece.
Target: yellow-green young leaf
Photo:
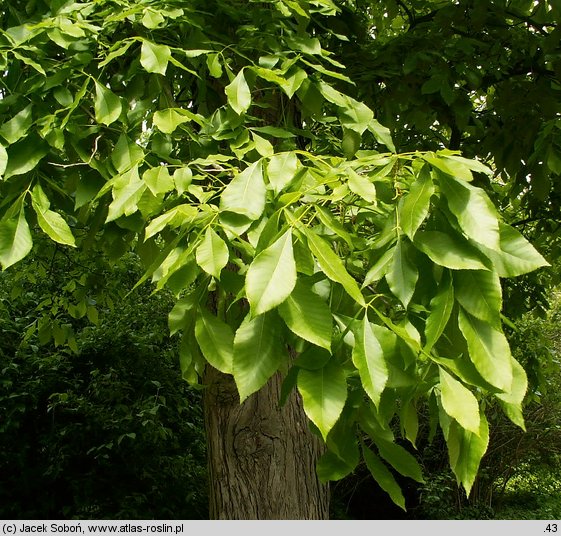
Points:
(453, 167)
(152, 19)
(465, 450)
(473, 209)
(182, 178)
(17, 127)
(479, 293)
(324, 393)
(488, 350)
(154, 58)
(271, 276)
(15, 240)
(414, 207)
(403, 274)
(158, 180)
(258, 352)
(459, 402)
(368, 358)
(238, 93)
(216, 340)
(213, 65)
(382, 134)
(332, 266)
(308, 316)
(281, 170)
(246, 194)
(449, 251)
(212, 254)
(400, 459)
(516, 256)
(3, 160)
(440, 309)
(511, 402)
(126, 195)
(107, 105)
(361, 186)
(262, 146)
(383, 477)
(55, 227)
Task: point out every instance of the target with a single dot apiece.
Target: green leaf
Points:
(169, 119)
(154, 58)
(488, 351)
(368, 358)
(331, 467)
(414, 207)
(440, 310)
(3, 160)
(516, 255)
(258, 353)
(308, 316)
(383, 477)
(56, 228)
(361, 186)
(329, 220)
(246, 193)
(459, 402)
(158, 180)
(281, 170)
(324, 393)
(15, 240)
(107, 105)
(313, 358)
(403, 274)
(126, 195)
(24, 156)
(238, 93)
(511, 402)
(400, 459)
(465, 450)
(216, 340)
(380, 268)
(382, 134)
(17, 127)
(474, 210)
(480, 294)
(449, 251)
(355, 115)
(126, 154)
(271, 276)
(332, 266)
(212, 254)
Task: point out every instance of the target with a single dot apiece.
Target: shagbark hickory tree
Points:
(325, 283)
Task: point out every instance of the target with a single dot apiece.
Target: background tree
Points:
(227, 146)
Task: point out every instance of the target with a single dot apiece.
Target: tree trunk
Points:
(261, 457)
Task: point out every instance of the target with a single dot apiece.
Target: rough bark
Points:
(261, 457)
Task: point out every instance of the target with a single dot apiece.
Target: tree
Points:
(225, 144)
